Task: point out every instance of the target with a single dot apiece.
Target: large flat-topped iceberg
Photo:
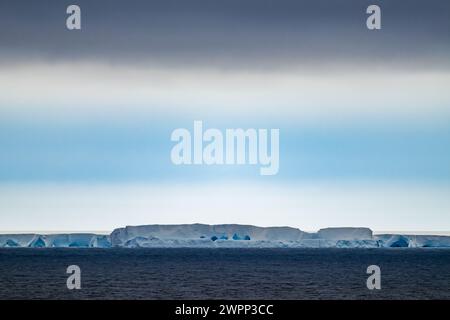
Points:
(248, 236)
(224, 236)
(205, 232)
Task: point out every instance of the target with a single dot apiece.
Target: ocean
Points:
(225, 273)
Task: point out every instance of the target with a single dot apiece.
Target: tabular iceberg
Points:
(204, 234)
(247, 236)
(224, 236)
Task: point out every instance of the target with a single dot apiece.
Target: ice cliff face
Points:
(413, 241)
(224, 236)
(72, 240)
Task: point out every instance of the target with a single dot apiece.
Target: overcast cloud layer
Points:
(233, 34)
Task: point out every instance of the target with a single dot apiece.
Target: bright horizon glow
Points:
(311, 206)
(86, 89)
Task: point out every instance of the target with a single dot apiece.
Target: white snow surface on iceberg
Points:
(345, 234)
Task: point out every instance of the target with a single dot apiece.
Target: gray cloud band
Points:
(232, 34)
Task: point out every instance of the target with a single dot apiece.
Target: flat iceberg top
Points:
(224, 236)
(345, 233)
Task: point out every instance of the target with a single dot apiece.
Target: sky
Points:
(86, 115)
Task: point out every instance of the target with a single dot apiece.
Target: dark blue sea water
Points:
(224, 273)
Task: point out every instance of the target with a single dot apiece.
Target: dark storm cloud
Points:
(239, 33)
